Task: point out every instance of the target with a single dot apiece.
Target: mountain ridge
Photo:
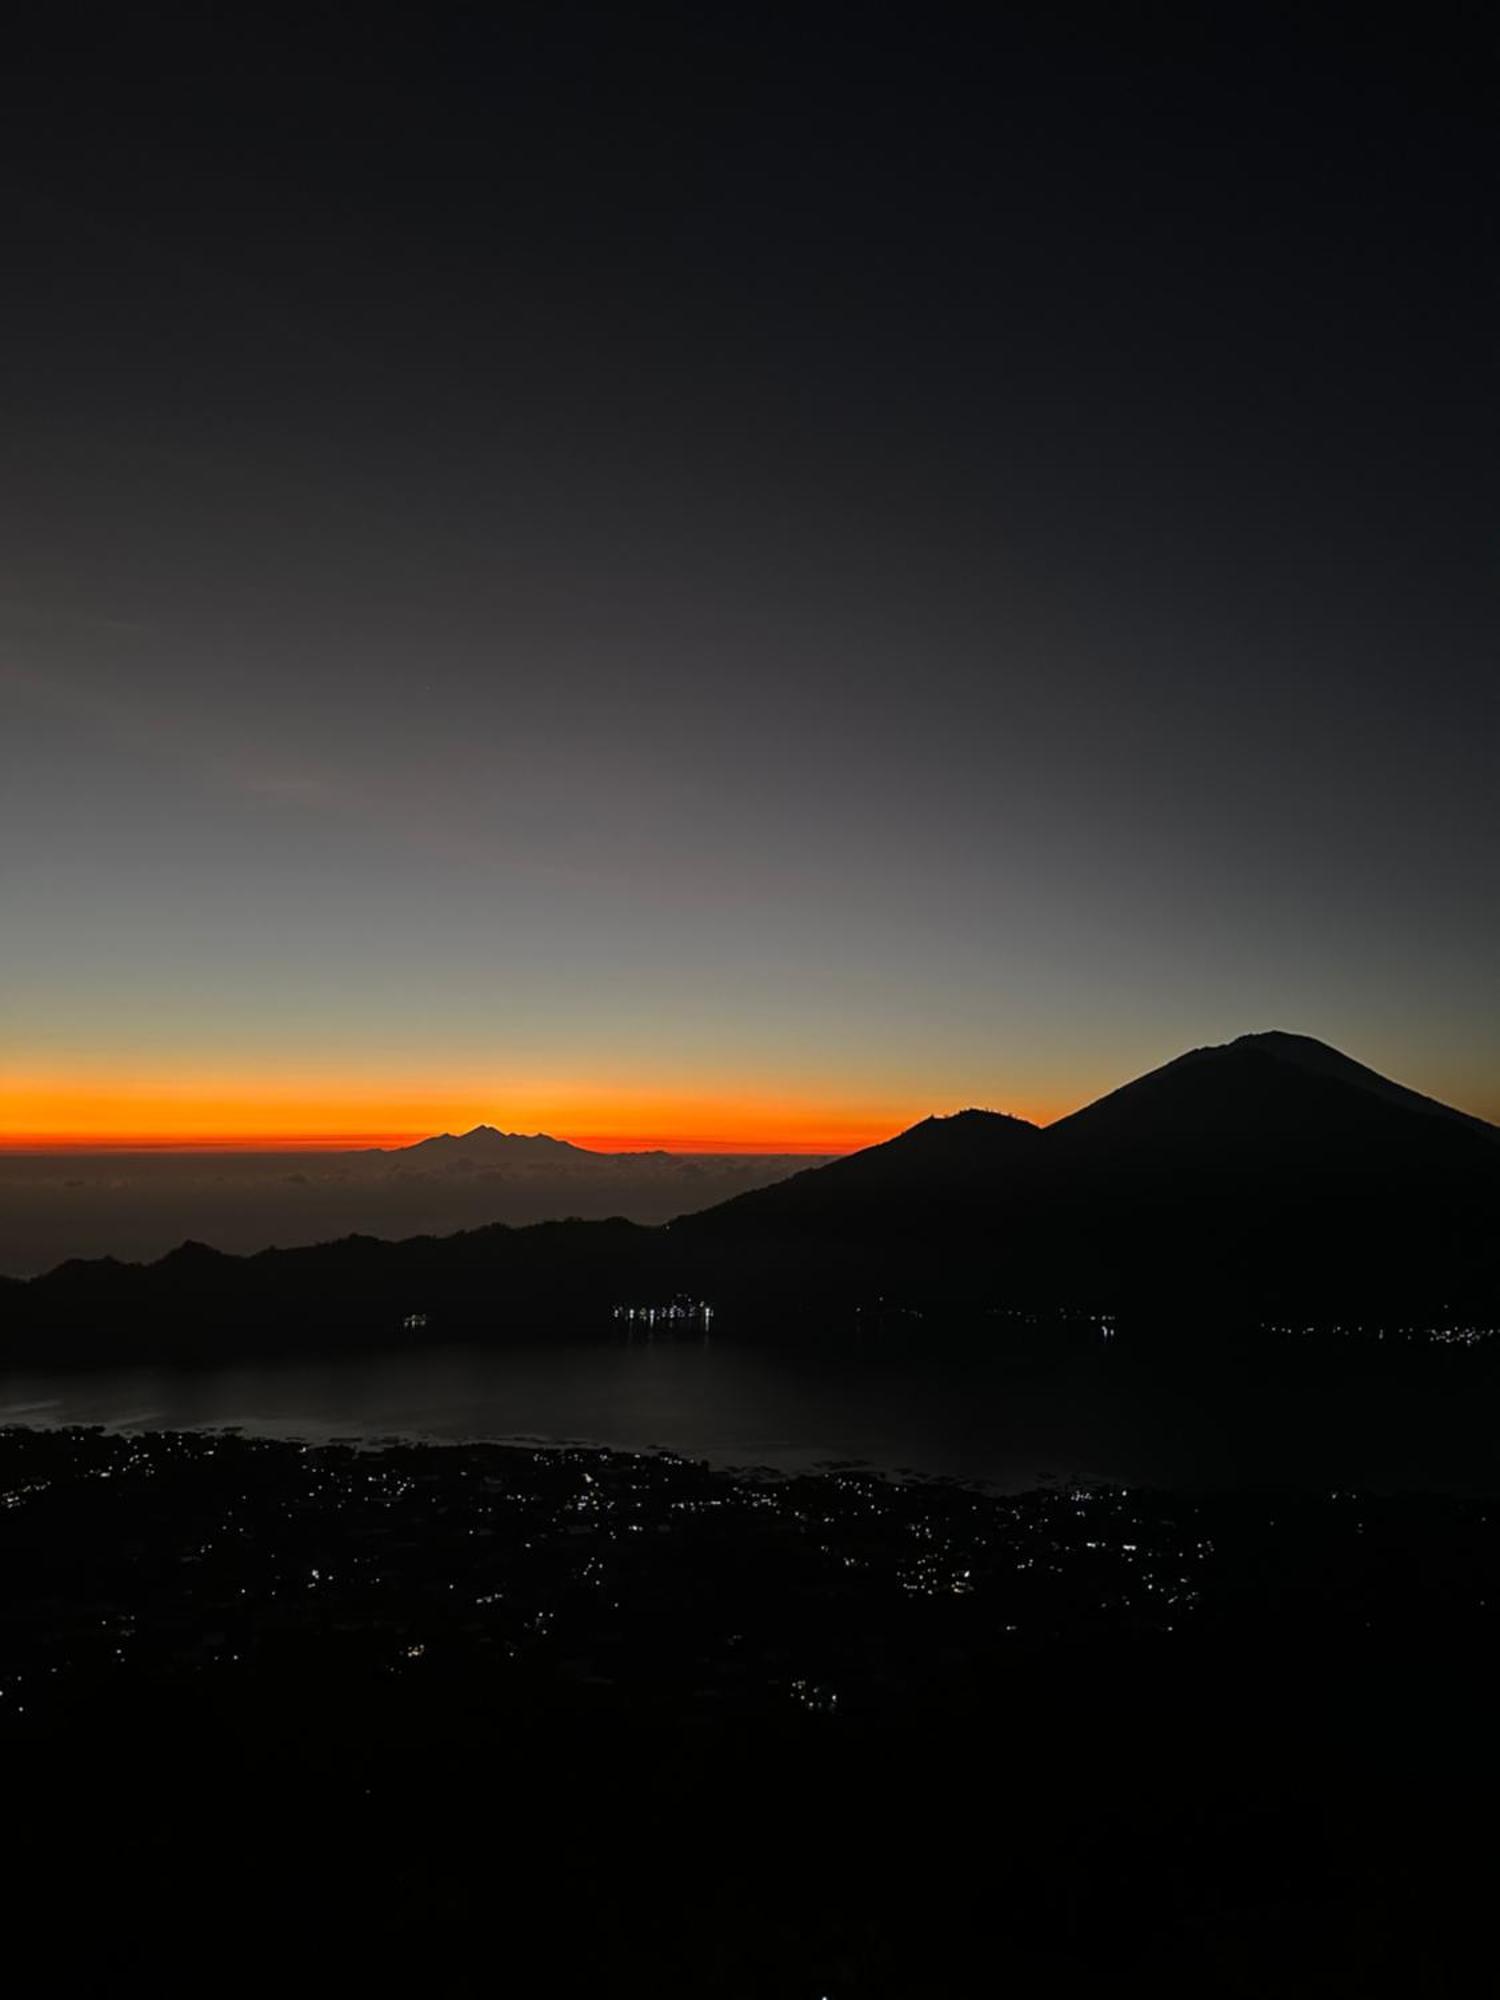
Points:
(487, 1141)
(1271, 1167)
(1261, 1176)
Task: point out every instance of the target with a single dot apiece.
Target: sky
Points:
(734, 578)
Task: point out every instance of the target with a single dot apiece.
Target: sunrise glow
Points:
(227, 1113)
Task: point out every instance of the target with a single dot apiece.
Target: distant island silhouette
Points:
(1271, 1175)
(485, 1143)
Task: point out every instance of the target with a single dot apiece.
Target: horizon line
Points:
(628, 1144)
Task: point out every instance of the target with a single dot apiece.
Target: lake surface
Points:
(1093, 1414)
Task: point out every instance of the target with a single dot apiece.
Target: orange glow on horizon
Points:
(351, 1142)
(176, 1114)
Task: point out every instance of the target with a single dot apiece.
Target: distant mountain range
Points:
(137, 1205)
(485, 1146)
(1271, 1174)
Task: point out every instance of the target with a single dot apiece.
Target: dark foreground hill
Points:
(455, 1720)
(1270, 1176)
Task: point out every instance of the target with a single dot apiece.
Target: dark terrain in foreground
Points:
(1270, 1178)
(477, 1718)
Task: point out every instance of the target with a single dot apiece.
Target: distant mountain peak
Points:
(1276, 1040)
(485, 1140)
(1251, 1084)
(970, 1114)
(957, 1157)
(191, 1255)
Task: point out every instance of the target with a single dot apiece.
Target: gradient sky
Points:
(724, 577)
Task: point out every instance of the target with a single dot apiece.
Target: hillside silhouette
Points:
(1268, 1100)
(136, 1206)
(1279, 1169)
(1271, 1170)
(1270, 1175)
(944, 1172)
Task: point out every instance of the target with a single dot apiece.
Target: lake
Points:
(1094, 1413)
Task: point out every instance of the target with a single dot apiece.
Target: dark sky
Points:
(713, 573)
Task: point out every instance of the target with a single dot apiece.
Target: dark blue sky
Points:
(656, 573)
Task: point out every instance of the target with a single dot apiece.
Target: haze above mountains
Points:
(137, 1205)
(1271, 1174)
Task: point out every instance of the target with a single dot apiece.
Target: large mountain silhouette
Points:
(1278, 1169)
(916, 1209)
(1272, 1170)
(1271, 1174)
(1269, 1097)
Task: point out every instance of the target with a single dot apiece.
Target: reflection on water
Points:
(1093, 1415)
(733, 1406)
